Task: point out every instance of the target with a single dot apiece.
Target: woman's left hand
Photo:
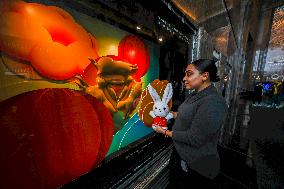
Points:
(159, 129)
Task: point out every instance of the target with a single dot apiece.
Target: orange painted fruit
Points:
(51, 136)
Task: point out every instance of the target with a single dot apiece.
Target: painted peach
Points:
(32, 32)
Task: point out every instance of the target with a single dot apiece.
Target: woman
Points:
(195, 161)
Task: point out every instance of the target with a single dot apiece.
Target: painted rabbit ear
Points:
(168, 93)
(155, 96)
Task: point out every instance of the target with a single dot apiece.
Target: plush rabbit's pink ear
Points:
(168, 93)
(155, 96)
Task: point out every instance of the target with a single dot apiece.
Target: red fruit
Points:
(90, 75)
(51, 136)
(132, 49)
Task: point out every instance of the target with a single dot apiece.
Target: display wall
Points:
(70, 92)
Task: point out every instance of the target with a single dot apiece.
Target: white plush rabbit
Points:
(161, 112)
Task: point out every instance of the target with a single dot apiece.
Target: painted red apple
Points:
(51, 136)
(132, 49)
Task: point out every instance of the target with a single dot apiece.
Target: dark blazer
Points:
(196, 130)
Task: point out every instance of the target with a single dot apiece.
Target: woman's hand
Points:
(159, 129)
(174, 114)
(165, 132)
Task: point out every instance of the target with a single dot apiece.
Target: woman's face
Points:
(193, 79)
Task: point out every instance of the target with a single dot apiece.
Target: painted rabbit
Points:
(161, 112)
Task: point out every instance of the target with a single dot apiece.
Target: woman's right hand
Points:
(174, 114)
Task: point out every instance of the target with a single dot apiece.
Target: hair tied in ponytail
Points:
(207, 65)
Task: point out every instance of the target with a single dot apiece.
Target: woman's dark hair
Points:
(206, 65)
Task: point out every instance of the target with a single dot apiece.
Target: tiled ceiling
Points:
(199, 11)
(210, 14)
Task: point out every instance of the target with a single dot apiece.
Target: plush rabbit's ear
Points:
(168, 93)
(155, 96)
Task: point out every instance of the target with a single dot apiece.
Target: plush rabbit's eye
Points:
(164, 108)
(155, 107)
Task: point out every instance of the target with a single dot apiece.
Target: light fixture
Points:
(138, 27)
(225, 78)
(160, 39)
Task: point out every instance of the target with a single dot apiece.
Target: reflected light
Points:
(132, 53)
(112, 50)
(184, 10)
(30, 10)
